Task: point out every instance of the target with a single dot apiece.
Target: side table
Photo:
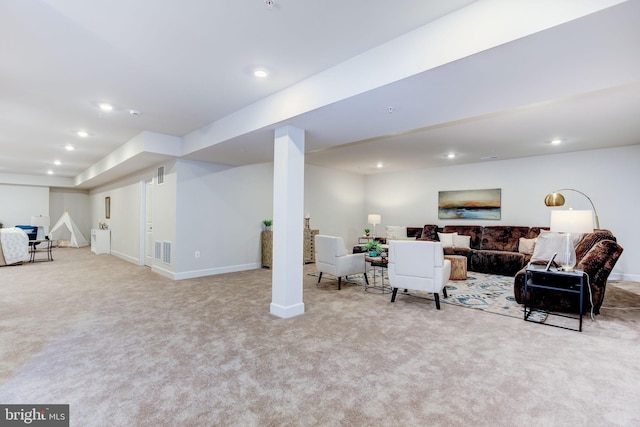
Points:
(381, 263)
(458, 267)
(40, 245)
(537, 277)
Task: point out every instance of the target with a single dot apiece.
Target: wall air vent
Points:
(166, 252)
(160, 179)
(158, 250)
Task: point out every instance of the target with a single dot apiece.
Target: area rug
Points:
(486, 292)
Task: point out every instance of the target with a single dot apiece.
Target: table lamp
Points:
(374, 219)
(571, 221)
(42, 222)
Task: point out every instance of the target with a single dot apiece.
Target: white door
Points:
(148, 235)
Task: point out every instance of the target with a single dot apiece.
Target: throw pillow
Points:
(526, 246)
(395, 232)
(548, 243)
(463, 242)
(446, 239)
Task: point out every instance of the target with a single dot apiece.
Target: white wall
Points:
(126, 210)
(335, 202)
(220, 212)
(18, 203)
(608, 176)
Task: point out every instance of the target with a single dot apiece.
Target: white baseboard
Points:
(287, 312)
(125, 257)
(213, 271)
(625, 277)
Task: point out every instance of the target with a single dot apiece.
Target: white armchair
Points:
(418, 265)
(332, 258)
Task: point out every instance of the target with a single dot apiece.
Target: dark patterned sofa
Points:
(596, 254)
(492, 249)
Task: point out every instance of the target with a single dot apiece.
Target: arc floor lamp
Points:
(557, 199)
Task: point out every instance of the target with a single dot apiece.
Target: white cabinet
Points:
(100, 241)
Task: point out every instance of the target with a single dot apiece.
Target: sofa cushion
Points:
(548, 243)
(461, 241)
(395, 232)
(429, 232)
(497, 262)
(526, 246)
(502, 238)
(446, 239)
(589, 240)
(474, 231)
(414, 232)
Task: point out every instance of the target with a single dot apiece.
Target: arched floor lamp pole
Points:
(557, 199)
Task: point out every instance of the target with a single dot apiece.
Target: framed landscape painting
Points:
(469, 204)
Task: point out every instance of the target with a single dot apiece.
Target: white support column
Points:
(288, 205)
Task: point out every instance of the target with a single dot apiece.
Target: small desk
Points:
(42, 246)
(572, 282)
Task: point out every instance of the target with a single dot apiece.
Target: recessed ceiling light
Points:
(82, 133)
(556, 141)
(105, 107)
(260, 73)
(69, 147)
(380, 165)
(57, 162)
(451, 156)
(50, 172)
(135, 112)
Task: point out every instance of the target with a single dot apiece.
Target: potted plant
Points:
(373, 248)
(367, 231)
(267, 224)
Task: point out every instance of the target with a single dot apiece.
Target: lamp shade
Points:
(554, 199)
(40, 221)
(572, 221)
(374, 219)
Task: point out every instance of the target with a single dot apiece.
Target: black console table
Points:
(537, 277)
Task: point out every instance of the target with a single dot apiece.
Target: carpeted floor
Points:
(126, 347)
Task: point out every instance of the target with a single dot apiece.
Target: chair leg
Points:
(393, 294)
(444, 292)
(320, 277)
(437, 298)
(339, 283)
(366, 279)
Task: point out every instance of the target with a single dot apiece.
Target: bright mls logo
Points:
(34, 415)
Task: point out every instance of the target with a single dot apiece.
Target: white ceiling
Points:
(187, 64)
